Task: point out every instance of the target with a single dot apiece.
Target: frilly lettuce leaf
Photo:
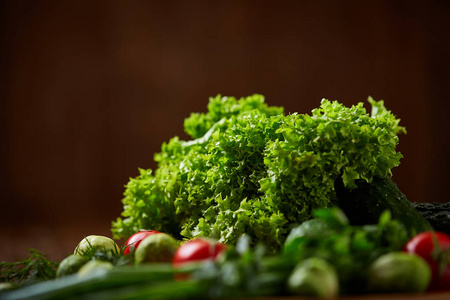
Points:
(251, 169)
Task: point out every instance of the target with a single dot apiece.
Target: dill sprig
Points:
(36, 268)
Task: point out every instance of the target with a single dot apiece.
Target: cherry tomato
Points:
(134, 240)
(197, 250)
(434, 247)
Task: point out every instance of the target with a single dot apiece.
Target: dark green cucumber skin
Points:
(365, 203)
(437, 214)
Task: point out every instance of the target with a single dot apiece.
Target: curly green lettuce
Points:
(252, 169)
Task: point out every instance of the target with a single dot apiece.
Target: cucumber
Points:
(437, 214)
(365, 203)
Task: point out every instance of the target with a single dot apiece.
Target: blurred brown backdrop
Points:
(90, 90)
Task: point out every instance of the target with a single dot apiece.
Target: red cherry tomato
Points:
(198, 250)
(134, 240)
(434, 247)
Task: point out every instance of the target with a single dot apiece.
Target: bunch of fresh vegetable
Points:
(323, 257)
(252, 170)
(258, 204)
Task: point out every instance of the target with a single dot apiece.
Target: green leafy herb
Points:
(350, 249)
(28, 271)
(251, 169)
(244, 270)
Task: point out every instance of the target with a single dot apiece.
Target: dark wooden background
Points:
(90, 90)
